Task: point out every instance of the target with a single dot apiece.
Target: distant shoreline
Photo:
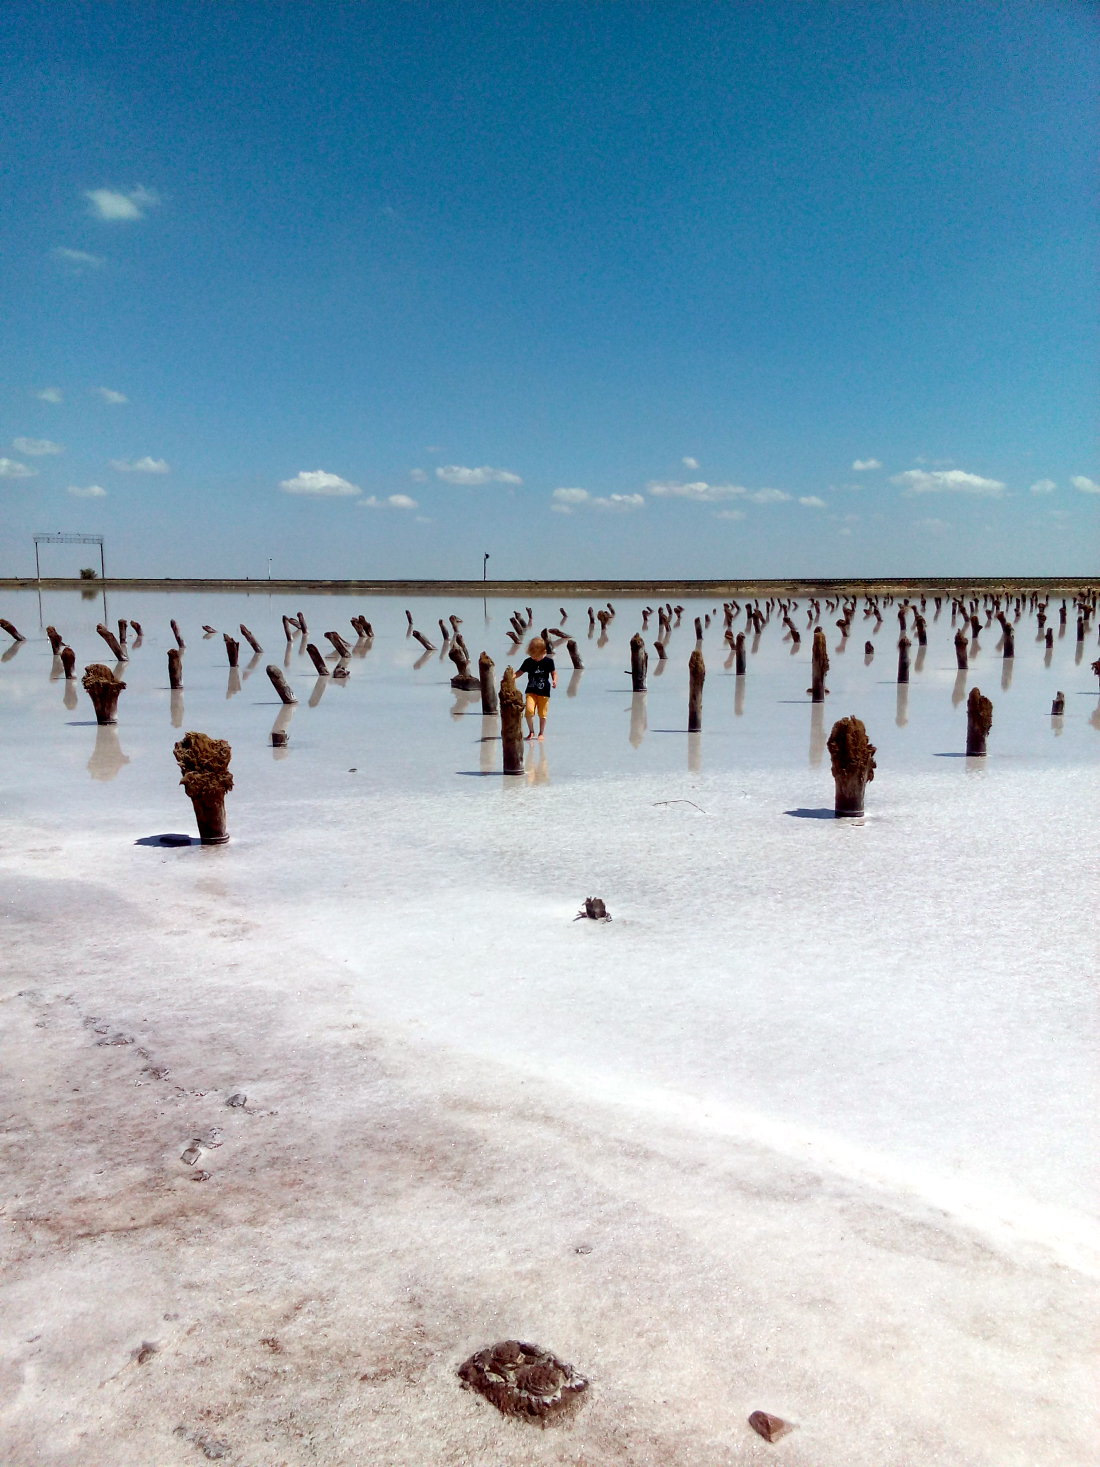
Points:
(781, 586)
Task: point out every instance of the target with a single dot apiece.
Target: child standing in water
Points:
(542, 675)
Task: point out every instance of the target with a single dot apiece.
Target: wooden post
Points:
(180, 643)
(489, 701)
(123, 627)
(868, 650)
(979, 720)
(739, 654)
(250, 639)
(511, 723)
(175, 668)
(464, 679)
(853, 761)
(903, 658)
(574, 654)
(338, 644)
(290, 626)
(820, 666)
(697, 671)
(103, 688)
(68, 662)
(13, 632)
(661, 650)
(121, 655)
(232, 649)
(639, 661)
(1009, 641)
(960, 650)
(409, 618)
(698, 629)
(317, 660)
(422, 639)
(57, 641)
(922, 629)
(135, 627)
(302, 624)
(1058, 707)
(280, 684)
(444, 630)
(204, 765)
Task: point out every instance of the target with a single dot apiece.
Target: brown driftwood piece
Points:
(574, 654)
(1058, 707)
(57, 641)
(280, 684)
(13, 632)
(175, 668)
(739, 654)
(820, 666)
(68, 662)
(660, 649)
(463, 680)
(103, 688)
(489, 702)
(903, 658)
(232, 649)
(180, 643)
(523, 1380)
(511, 723)
(422, 639)
(639, 661)
(204, 766)
(290, 627)
(853, 763)
(595, 908)
(1009, 649)
(697, 671)
(123, 628)
(960, 650)
(136, 627)
(250, 639)
(121, 655)
(338, 644)
(318, 661)
(979, 720)
(302, 624)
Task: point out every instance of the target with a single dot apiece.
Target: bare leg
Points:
(542, 727)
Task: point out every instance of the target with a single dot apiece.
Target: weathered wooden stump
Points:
(57, 641)
(290, 627)
(68, 662)
(280, 684)
(13, 632)
(1058, 707)
(853, 763)
(574, 653)
(868, 650)
(204, 766)
(697, 671)
(639, 661)
(444, 630)
(524, 1380)
(511, 723)
(661, 650)
(979, 720)
(409, 618)
(180, 643)
(1009, 639)
(232, 649)
(136, 627)
(422, 639)
(339, 646)
(698, 629)
(740, 662)
(121, 655)
(489, 701)
(103, 688)
(463, 679)
(960, 650)
(250, 639)
(302, 624)
(903, 658)
(175, 668)
(820, 667)
(318, 661)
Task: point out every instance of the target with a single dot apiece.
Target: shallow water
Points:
(899, 1008)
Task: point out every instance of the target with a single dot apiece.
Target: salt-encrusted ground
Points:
(808, 1127)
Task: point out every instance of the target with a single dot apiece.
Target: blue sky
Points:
(603, 289)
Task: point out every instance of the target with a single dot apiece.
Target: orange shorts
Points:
(538, 705)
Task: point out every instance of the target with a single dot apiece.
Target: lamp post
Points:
(485, 566)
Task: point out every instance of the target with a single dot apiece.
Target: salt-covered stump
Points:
(103, 688)
(204, 765)
(524, 1380)
(853, 762)
(979, 720)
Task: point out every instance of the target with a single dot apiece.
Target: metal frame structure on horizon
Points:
(63, 537)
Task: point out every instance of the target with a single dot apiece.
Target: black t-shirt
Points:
(539, 675)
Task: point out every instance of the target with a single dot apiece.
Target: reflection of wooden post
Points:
(820, 667)
(175, 668)
(697, 671)
(511, 723)
(979, 720)
(204, 765)
(739, 654)
(280, 684)
(250, 639)
(68, 662)
(574, 654)
(960, 650)
(853, 760)
(232, 649)
(489, 703)
(180, 643)
(103, 688)
(639, 661)
(121, 655)
(57, 641)
(903, 659)
(317, 660)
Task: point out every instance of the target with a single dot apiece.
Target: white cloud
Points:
(729, 514)
(699, 492)
(418, 476)
(811, 501)
(93, 491)
(144, 465)
(393, 501)
(10, 468)
(317, 481)
(109, 203)
(78, 260)
(49, 394)
(1043, 486)
(456, 474)
(769, 496)
(690, 463)
(36, 447)
(862, 464)
(570, 496)
(947, 481)
(618, 502)
(1086, 486)
(108, 394)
